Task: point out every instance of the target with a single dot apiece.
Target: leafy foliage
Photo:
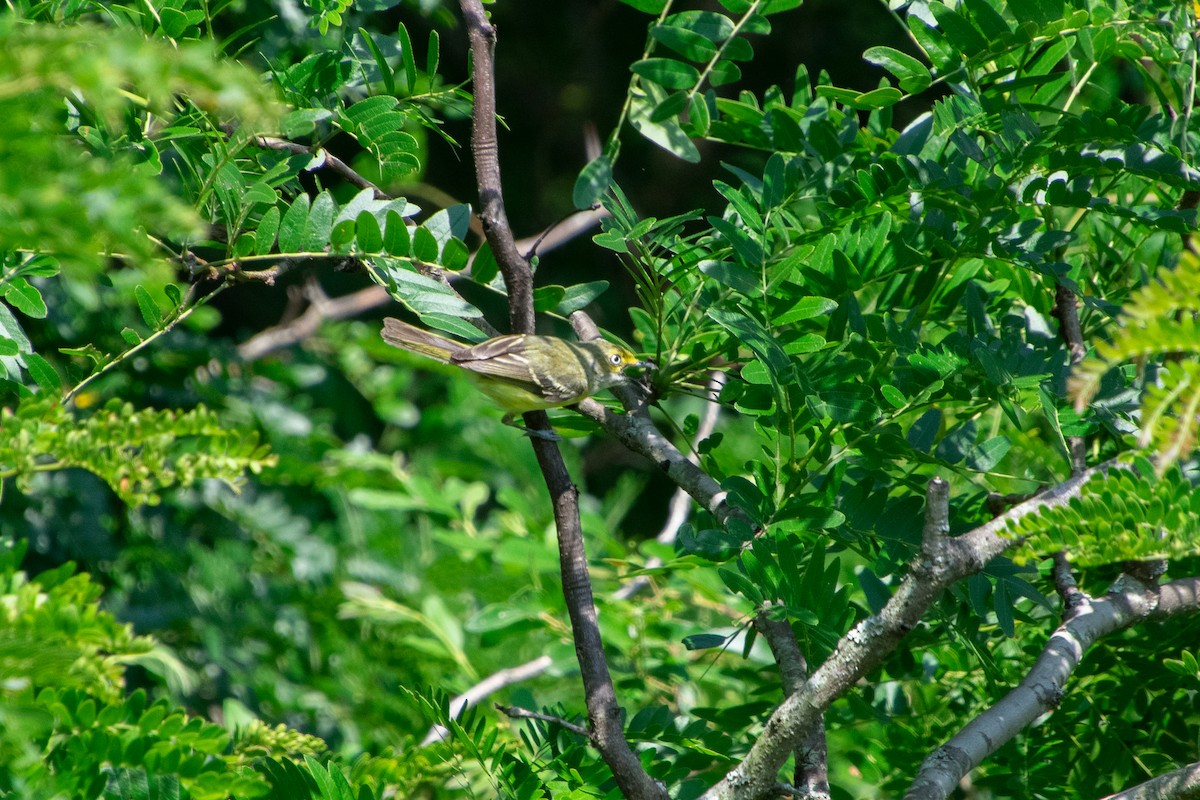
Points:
(872, 270)
(1121, 515)
(137, 453)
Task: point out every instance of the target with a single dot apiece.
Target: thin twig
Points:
(1074, 600)
(488, 686)
(1067, 313)
(329, 160)
(137, 348)
(516, 712)
(305, 325)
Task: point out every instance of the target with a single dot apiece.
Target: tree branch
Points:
(518, 278)
(516, 712)
(604, 714)
(1181, 784)
(941, 562)
(812, 764)
(1041, 690)
(328, 160)
(492, 683)
(306, 324)
(1067, 312)
(681, 502)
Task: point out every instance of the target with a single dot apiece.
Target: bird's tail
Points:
(415, 340)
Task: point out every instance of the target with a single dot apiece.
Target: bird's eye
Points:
(616, 360)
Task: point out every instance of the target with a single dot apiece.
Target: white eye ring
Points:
(616, 360)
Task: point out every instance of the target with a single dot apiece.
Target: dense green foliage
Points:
(336, 537)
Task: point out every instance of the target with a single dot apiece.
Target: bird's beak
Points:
(647, 364)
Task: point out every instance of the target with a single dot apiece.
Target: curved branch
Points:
(1181, 784)
(942, 561)
(1126, 604)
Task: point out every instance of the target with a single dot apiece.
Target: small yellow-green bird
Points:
(523, 372)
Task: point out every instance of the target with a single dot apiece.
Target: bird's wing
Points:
(511, 358)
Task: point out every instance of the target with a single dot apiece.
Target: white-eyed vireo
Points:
(523, 372)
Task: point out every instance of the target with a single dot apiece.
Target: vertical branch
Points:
(1072, 335)
(604, 714)
(1065, 309)
(812, 765)
(518, 278)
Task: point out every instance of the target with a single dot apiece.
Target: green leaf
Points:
(25, 297)
(151, 313)
(580, 296)
(342, 236)
(43, 374)
(724, 73)
(593, 181)
(734, 276)
(876, 591)
(385, 70)
(425, 245)
(8, 347)
(370, 238)
(268, 227)
(407, 58)
(667, 134)
(894, 396)
(985, 456)
(806, 308)
(704, 641)
(39, 266)
(687, 43)
(647, 6)
(484, 268)
(912, 75)
(293, 226)
(875, 99)
(396, 240)
(958, 31)
(421, 293)
(667, 72)
(547, 297)
(303, 121)
(319, 228)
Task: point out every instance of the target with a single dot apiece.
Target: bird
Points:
(523, 372)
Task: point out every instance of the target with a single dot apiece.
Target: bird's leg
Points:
(535, 433)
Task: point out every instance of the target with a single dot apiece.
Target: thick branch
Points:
(812, 762)
(1127, 603)
(604, 714)
(942, 561)
(1182, 784)
(518, 278)
(1040, 691)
